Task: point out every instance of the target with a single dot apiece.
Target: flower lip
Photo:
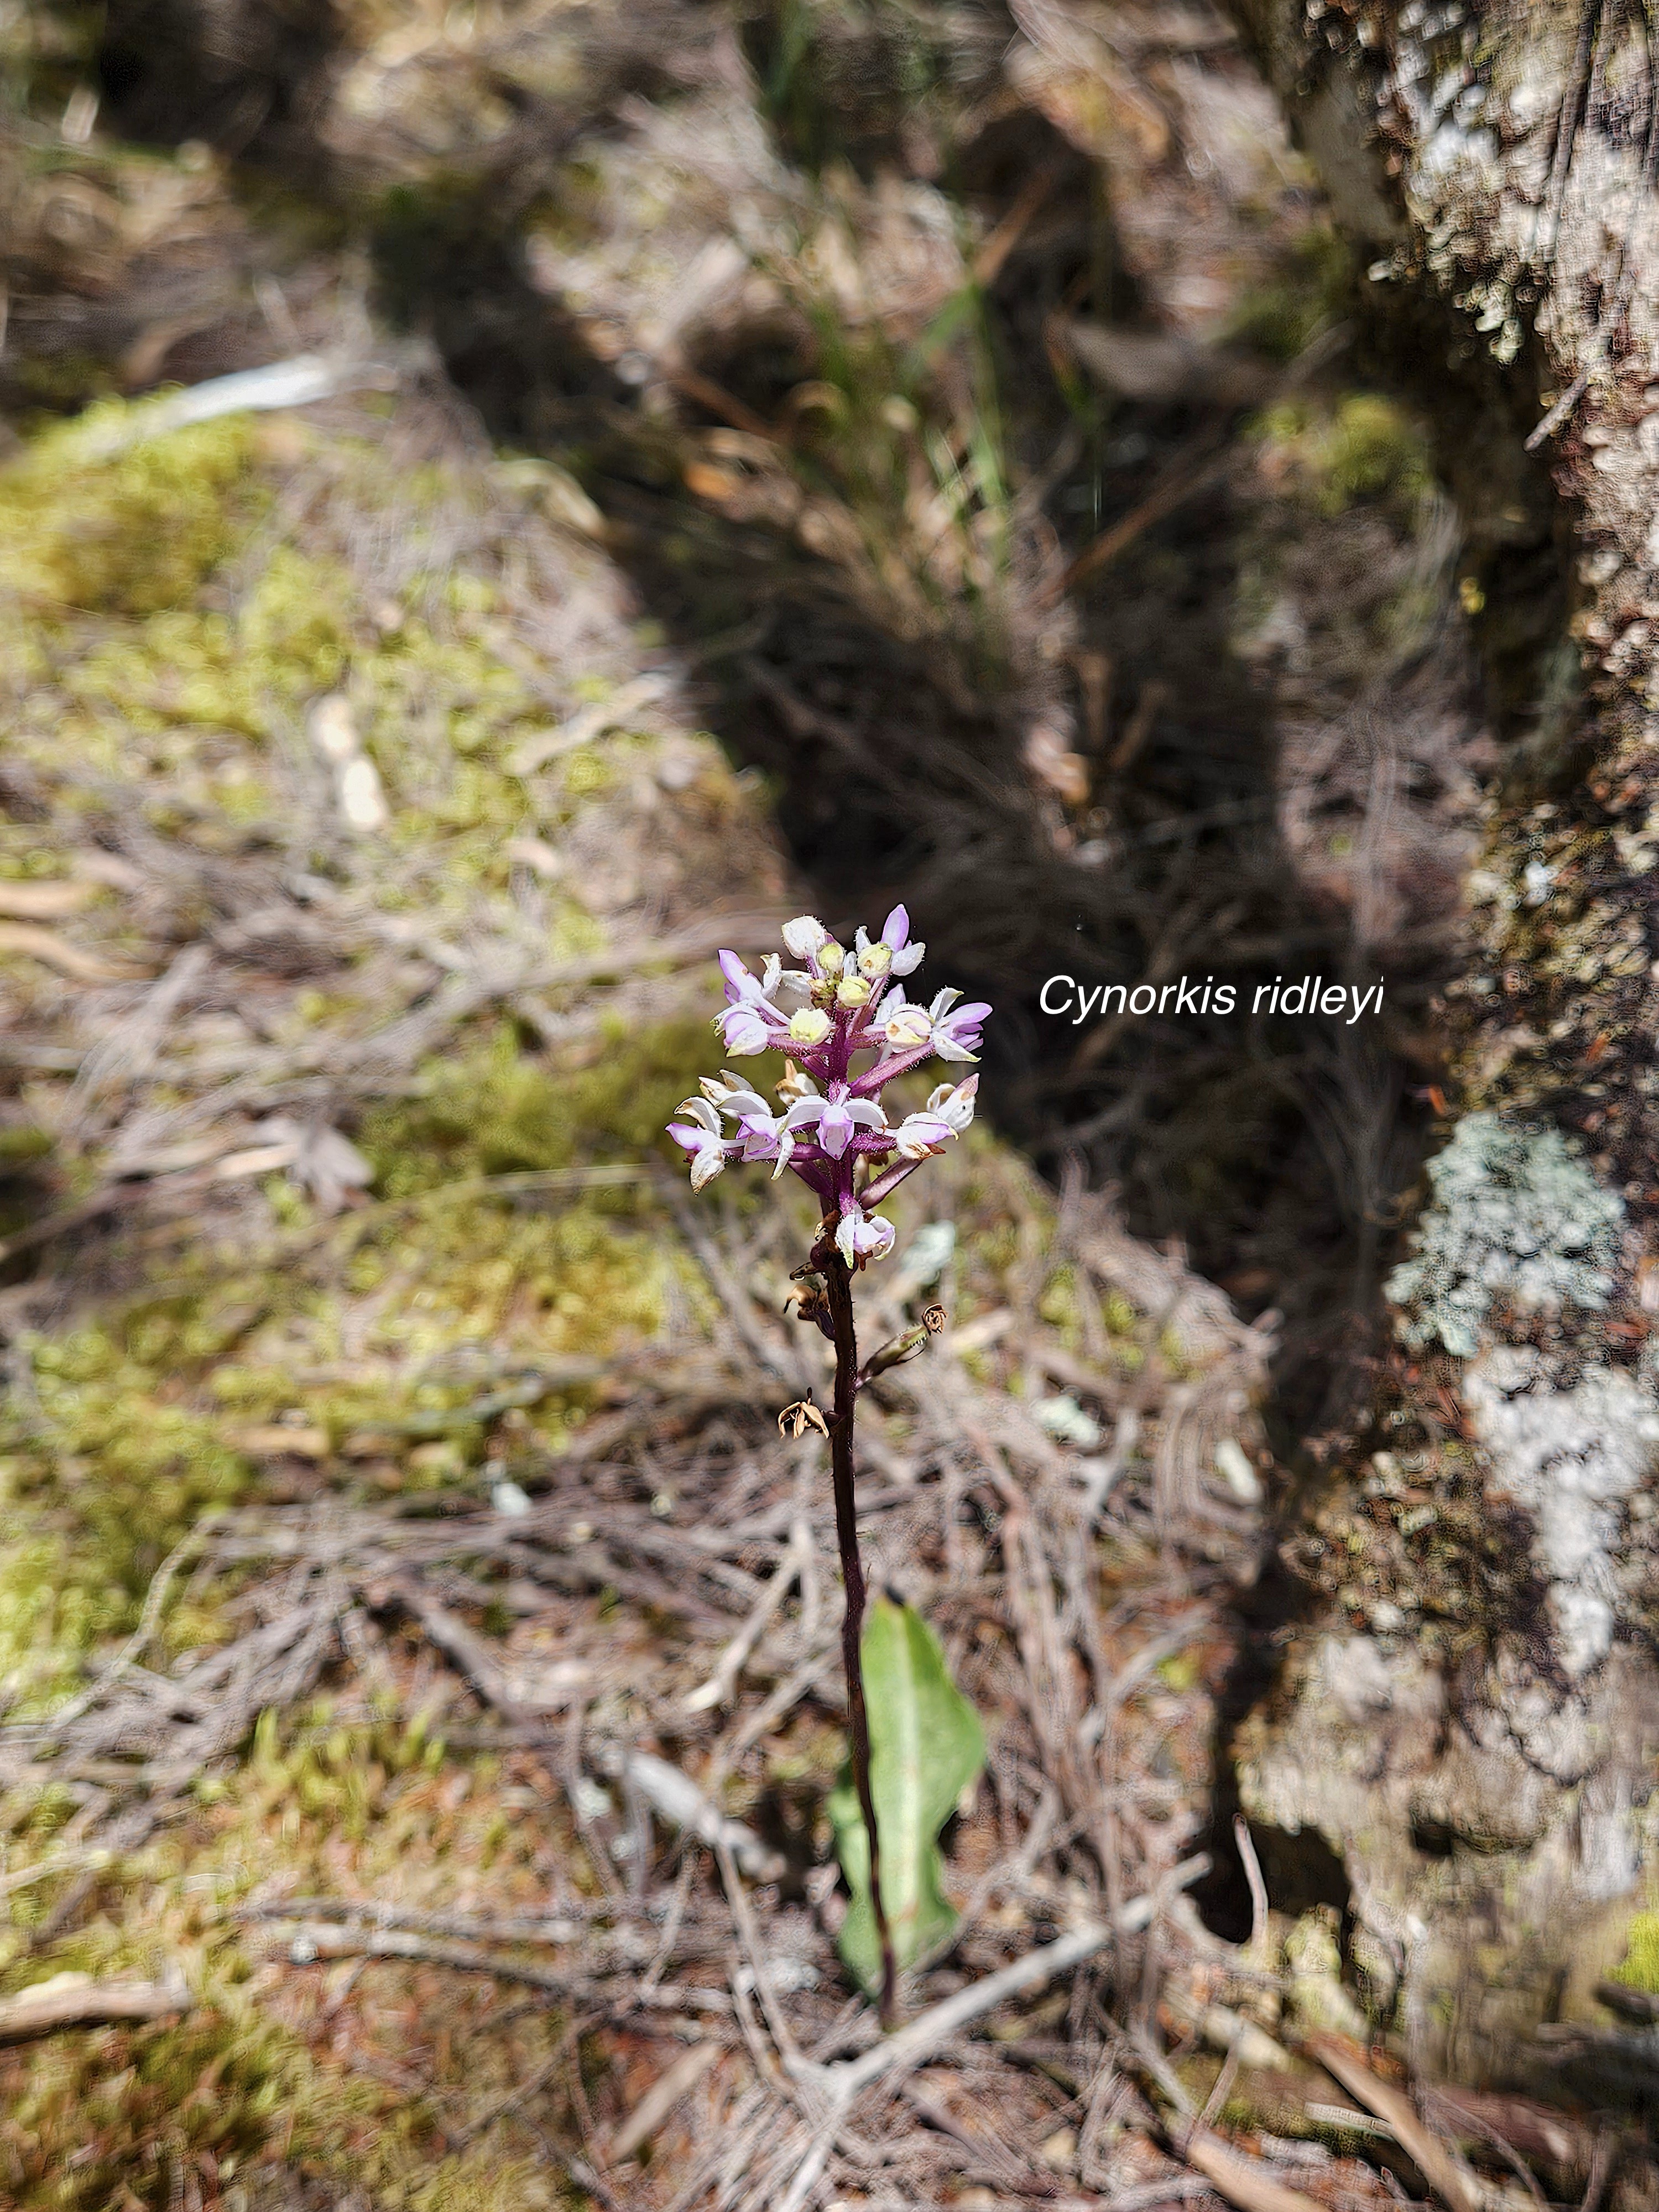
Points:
(838, 1119)
(748, 1028)
(708, 1149)
(904, 1025)
(956, 1032)
(861, 1236)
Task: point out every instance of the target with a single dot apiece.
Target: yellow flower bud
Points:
(832, 959)
(809, 1026)
(852, 991)
(876, 959)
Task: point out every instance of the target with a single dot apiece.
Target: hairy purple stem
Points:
(838, 1284)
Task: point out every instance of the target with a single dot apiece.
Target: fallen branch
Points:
(71, 960)
(78, 2000)
(666, 1790)
(299, 382)
(470, 1925)
(46, 902)
(1448, 2173)
(471, 1653)
(1242, 2180)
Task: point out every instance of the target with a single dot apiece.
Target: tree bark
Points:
(1483, 1762)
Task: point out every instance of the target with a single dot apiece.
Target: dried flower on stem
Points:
(852, 1032)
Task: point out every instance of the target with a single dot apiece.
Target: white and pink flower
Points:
(854, 1033)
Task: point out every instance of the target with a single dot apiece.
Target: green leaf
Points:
(926, 1746)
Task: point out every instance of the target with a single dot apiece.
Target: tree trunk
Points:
(1481, 1755)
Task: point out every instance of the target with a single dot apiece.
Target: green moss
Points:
(1640, 1968)
(130, 534)
(1180, 1671)
(1364, 449)
(497, 1111)
(107, 2118)
(117, 1471)
(1314, 288)
(21, 1144)
(1058, 1305)
(133, 1433)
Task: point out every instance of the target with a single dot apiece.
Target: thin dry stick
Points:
(788, 2049)
(1252, 1867)
(942, 2020)
(717, 1689)
(1600, 2167)
(76, 2001)
(1216, 2103)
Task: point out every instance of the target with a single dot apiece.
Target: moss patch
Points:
(1640, 1967)
(1363, 448)
(133, 534)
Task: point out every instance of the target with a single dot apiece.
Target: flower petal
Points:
(836, 1126)
(880, 1234)
(744, 1031)
(707, 1164)
(804, 935)
(739, 982)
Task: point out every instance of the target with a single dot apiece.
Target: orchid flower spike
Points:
(851, 1031)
